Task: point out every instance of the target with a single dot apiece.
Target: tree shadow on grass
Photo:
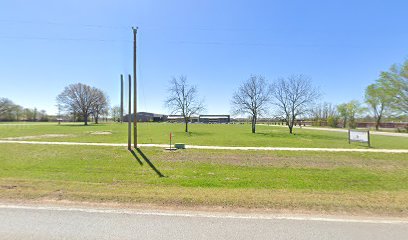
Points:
(146, 159)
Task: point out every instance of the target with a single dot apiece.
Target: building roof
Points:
(214, 116)
(179, 116)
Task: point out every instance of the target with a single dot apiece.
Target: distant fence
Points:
(383, 125)
(322, 123)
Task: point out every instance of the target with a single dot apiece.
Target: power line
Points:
(64, 24)
(62, 39)
(148, 28)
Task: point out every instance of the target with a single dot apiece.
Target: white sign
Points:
(359, 136)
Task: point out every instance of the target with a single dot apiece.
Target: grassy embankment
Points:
(297, 181)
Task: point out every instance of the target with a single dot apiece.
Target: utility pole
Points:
(121, 98)
(129, 115)
(134, 89)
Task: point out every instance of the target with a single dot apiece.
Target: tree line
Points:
(289, 99)
(386, 97)
(293, 98)
(9, 111)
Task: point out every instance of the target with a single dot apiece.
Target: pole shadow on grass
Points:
(147, 160)
(136, 157)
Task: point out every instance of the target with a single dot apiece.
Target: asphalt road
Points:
(22, 222)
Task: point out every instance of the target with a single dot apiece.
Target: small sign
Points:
(359, 136)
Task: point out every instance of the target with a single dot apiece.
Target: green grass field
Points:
(345, 182)
(200, 134)
(300, 181)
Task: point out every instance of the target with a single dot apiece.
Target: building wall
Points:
(214, 119)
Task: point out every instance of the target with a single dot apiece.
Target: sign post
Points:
(359, 136)
(170, 140)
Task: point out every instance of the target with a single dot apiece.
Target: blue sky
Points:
(341, 45)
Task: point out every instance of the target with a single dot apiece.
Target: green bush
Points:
(332, 121)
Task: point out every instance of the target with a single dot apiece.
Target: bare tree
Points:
(252, 98)
(8, 110)
(78, 99)
(43, 116)
(293, 96)
(323, 111)
(5, 105)
(100, 105)
(116, 112)
(183, 99)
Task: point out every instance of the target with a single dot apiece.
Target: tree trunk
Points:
(377, 123)
(96, 119)
(186, 122)
(290, 124)
(253, 124)
(85, 119)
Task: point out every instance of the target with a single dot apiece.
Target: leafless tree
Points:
(252, 98)
(79, 99)
(8, 110)
(293, 97)
(116, 113)
(183, 99)
(323, 111)
(100, 105)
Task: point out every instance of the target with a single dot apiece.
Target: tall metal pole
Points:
(121, 98)
(134, 89)
(129, 114)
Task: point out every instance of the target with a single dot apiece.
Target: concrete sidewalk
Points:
(214, 147)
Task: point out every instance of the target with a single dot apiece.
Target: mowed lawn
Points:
(372, 183)
(200, 134)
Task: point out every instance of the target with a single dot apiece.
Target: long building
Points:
(180, 118)
(152, 117)
(147, 117)
(214, 119)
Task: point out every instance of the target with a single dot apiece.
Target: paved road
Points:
(215, 147)
(18, 222)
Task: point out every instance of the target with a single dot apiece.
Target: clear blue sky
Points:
(341, 45)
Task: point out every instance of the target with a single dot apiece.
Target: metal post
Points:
(121, 98)
(134, 89)
(129, 115)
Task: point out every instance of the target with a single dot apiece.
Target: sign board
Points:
(359, 136)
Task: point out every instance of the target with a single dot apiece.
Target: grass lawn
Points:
(301, 181)
(200, 134)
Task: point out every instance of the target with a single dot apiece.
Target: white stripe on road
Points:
(202, 214)
(215, 147)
